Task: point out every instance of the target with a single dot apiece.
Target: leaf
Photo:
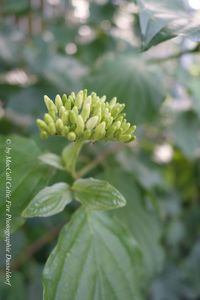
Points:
(52, 159)
(141, 222)
(161, 21)
(28, 176)
(18, 8)
(135, 83)
(97, 194)
(187, 133)
(194, 89)
(49, 201)
(95, 258)
(62, 72)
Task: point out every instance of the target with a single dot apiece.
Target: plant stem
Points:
(91, 165)
(70, 155)
(179, 54)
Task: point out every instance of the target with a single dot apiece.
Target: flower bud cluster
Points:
(86, 117)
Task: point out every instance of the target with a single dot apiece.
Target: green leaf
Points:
(135, 83)
(186, 133)
(161, 21)
(95, 258)
(49, 201)
(142, 222)
(97, 194)
(28, 175)
(52, 159)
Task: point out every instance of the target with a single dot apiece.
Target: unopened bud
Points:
(79, 125)
(85, 113)
(87, 134)
(65, 117)
(92, 122)
(44, 135)
(68, 104)
(72, 116)
(71, 136)
(79, 100)
(50, 105)
(113, 102)
(126, 138)
(100, 131)
(65, 131)
(59, 125)
(48, 119)
(64, 99)
(58, 101)
(52, 129)
(62, 109)
(42, 125)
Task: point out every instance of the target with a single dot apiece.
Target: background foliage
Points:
(147, 54)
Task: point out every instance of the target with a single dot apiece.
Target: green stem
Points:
(70, 155)
(194, 50)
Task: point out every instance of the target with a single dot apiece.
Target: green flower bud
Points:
(47, 101)
(126, 138)
(109, 121)
(103, 99)
(59, 125)
(125, 126)
(58, 101)
(52, 129)
(81, 117)
(79, 125)
(112, 129)
(92, 122)
(72, 116)
(44, 135)
(131, 130)
(62, 109)
(85, 113)
(113, 102)
(64, 99)
(117, 109)
(65, 117)
(118, 133)
(84, 94)
(42, 125)
(100, 131)
(87, 134)
(79, 100)
(68, 104)
(97, 111)
(75, 109)
(50, 105)
(65, 131)
(48, 119)
(71, 136)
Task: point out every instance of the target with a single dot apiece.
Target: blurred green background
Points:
(118, 48)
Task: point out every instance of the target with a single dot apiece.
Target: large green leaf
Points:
(142, 222)
(186, 133)
(28, 176)
(97, 194)
(133, 81)
(163, 20)
(95, 259)
(49, 201)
